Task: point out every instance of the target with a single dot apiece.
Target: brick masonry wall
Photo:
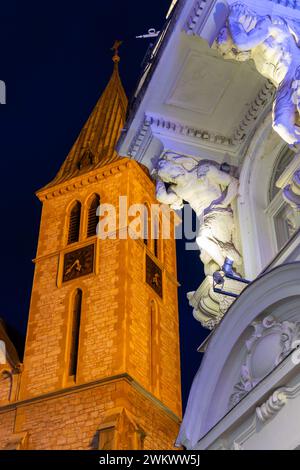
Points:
(72, 421)
(115, 329)
(5, 388)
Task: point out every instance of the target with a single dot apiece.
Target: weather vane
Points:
(116, 46)
(152, 33)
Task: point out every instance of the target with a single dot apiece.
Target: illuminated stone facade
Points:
(116, 385)
(241, 117)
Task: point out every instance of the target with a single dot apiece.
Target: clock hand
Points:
(75, 265)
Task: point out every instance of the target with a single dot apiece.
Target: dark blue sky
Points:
(56, 60)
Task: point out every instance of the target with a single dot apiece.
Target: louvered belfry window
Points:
(74, 342)
(93, 218)
(74, 224)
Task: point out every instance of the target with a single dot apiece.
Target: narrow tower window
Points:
(75, 328)
(74, 223)
(154, 348)
(146, 224)
(156, 237)
(93, 218)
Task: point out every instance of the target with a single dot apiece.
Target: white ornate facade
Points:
(197, 105)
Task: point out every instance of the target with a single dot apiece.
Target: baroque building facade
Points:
(221, 132)
(102, 336)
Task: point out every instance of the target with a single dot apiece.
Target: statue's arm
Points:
(227, 181)
(246, 41)
(167, 196)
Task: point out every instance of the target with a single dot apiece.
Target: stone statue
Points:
(209, 191)
(273, 44)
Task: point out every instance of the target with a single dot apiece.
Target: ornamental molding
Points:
(158, 124)
(295, 4)
(262, 101)
(201, 9)
(265, 413)
(79, 182)
(276, 401)
(288, 332)
(272, 405)
(196, 16)
(210, 307)
(142, 135)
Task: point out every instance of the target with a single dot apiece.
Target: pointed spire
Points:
(95, 145)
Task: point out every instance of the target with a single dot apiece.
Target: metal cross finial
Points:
(116, 46)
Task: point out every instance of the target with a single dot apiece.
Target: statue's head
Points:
(244, 15)
(175, 168)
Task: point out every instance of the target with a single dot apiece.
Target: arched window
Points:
(286, 219)
(75, 330)
(93, 218)
(157, 234)
(74, 223)
(146, 224)
(154, 347)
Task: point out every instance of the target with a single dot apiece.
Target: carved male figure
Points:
(273, 44)
(209, 191)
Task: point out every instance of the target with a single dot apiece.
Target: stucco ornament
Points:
(273, 43)
(210, 191)
(270, 343)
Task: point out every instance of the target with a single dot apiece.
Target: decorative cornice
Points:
(295, 4)
(200, 9)
(87, 386)
(83, 180)
(152, 123)
(142, 135)
(262, 100)
(196, 16)
(161, 124)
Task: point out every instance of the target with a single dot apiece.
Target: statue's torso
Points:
(274, 56)
(199, 193)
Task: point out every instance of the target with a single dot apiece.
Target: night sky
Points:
(56, 60)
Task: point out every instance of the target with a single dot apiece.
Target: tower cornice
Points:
(122, 164)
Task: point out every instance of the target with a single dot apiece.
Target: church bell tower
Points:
(102, 363)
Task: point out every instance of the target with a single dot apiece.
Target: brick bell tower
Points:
(102, 364)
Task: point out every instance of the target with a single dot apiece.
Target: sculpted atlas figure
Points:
(209, 191)
(273, 44)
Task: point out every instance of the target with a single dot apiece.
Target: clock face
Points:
(78, 263)
(154, 276)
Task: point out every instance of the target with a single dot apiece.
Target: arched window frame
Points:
(71, 208)
(255, 214)
(278, 209)
(74, 326)
(94, 197)
(147, 226)
(154, 346)
(157, 235)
